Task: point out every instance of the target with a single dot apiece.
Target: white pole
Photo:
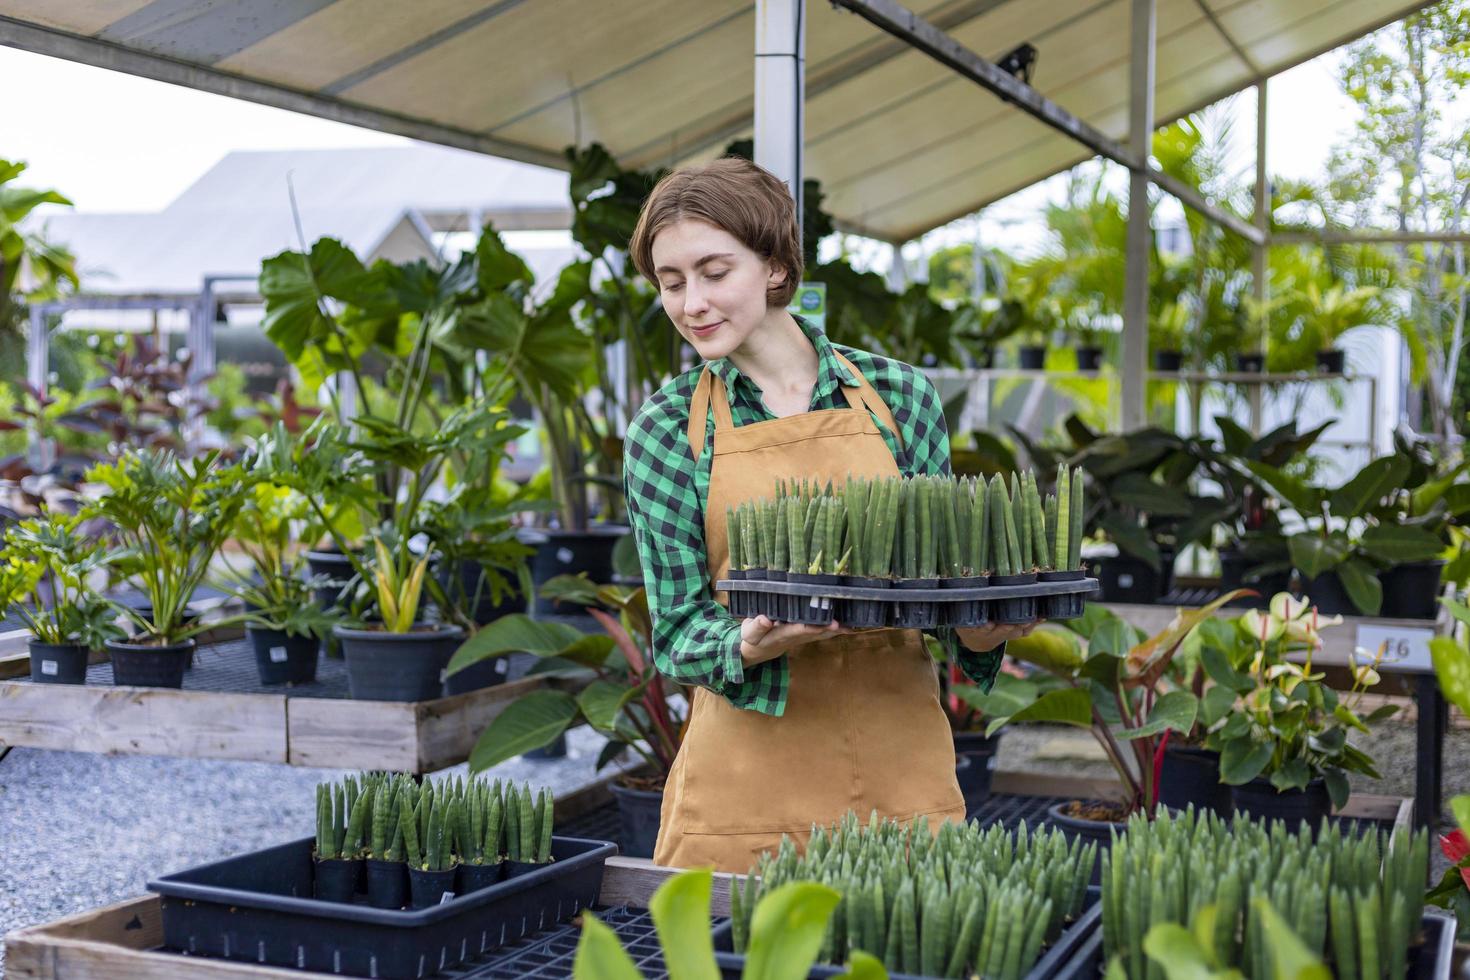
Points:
(780, 90)
(1135, 287)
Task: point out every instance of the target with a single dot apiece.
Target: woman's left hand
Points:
(983, 639)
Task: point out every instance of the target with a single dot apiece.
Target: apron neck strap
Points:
(865, 396)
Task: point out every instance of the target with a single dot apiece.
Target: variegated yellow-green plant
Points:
(399, 580)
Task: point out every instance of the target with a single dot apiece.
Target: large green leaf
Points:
(1395, 543)
(1131, 538)
(1216, 704)
(1314, 554)
(603, 701)
(291, 284)
(1218, 667)
(600, 956)
(1290, 958)
(1242, 760)
(1358, 495)
(1053, 650)
(530, 722)
(1008, 695)
(863, 966)
(786, 931)
(1175, 950)
(680, 909)
(1067, 706)
(1452, 667)
(1362, 585)
(1137, 490)
(1305, 498)
(1175, 711)
(519, 633)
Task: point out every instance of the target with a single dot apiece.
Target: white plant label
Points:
(501, 665)
(565, 555)
(446, 897)
(49, 668)
(1405, 648)
(278, 655)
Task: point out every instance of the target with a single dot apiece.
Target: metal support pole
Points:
(780, 90)
(1260, 255)
(1429, 753)
(38, 367)
(1135, 285)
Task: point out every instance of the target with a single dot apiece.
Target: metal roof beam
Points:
(925, 37)
(1367, 237)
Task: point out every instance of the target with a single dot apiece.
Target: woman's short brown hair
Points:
(735, 195)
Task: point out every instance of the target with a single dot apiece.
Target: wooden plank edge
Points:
(632, 881)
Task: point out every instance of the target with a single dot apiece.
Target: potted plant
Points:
(1167, 328)
(428, 843)
(1452, 668)
(170, 516)
(1282, 734)
(627, 701)
(44, 570)
(480, 835)
(383, 859)
(341, 816)
(527, 830)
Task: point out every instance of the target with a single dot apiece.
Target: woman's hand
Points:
(762, 640)
(983, 639)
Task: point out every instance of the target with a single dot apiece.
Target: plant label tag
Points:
(446, 897)
(49, 668)
(1405, 648)
(565, 555)
(278, 655)
(501, 665)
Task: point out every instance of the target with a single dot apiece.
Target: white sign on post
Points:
(1405, 648)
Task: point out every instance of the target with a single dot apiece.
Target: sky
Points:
(114, 142)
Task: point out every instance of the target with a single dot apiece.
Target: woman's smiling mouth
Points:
(705, 331)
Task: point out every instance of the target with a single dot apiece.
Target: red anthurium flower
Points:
(1456, 847)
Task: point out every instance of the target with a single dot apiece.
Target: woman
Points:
(791, 724)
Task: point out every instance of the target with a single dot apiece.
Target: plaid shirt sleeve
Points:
(695, 639)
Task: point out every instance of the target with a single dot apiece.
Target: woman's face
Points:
(713, 288)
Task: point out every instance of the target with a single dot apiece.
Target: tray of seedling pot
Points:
(910, 553)
(401, 880)
(961, 902)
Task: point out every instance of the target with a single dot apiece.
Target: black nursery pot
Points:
(1329, 596)
(428, 888)
(473, 877)
(334, 880)
(514, 869)
(1260, 800)
(970, 612)
(1068, 606)
(978, 752)
(1409, 590)
(1125, 578)
(810, 609)
(915, 615)
(387, 884)
(773, 605)
(282, 658)
(561, 552)
(555, 749)
(1033, 358)
(1099, 832)
(1168, 361)
(149, 666)
(1009, 612)
(1089, 358)
(1191, 775)
(58, 663)
(640, 813)
(1331, 361)
(1252, 363)
(739, 601)
(863, 613)
(397, 666)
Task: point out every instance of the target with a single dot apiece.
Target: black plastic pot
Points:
(486, 673)
(639, 815)
(1260, 800)
(1191, 775)
(1410, 590)
(428, 888)
(1328, 595)
(282, 658)
(1234, 569)
(518, 869)
(555, 749)
(473, 877)
(1099, 832)
(1009, 612)
(1033, 358)
(334, 565)
(915, 615)
(975, 765)
(149, 666)
(863, 613)
(397, 666)
(1252, 363)
(568, 553)
(1068, 606)
(1089, 358)
(58, 663)
(739, 604)
(334, 880)
(972, 612)
(1331, 361)
(1168, 361)
(773, 605)
(1125, 578)
(485, 611)
(812, 610)
(387, 884)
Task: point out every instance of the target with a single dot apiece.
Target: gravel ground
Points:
(79, 831)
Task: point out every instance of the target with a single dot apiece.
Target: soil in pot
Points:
(975, 765)
(473, 877)
(1260, 800)
(428, 888)
(1033, 358)
(812, 610)
(1168, 361)
(1017, 610)
(58, 663)
(1089, 358)
(282, 658)
(1092, 821)
(136, 665)
(915, 615)
(1192, 775)
(1331, 361)
(397, 666)
(863, 613)
(387, 884)
(1410, 591)
(334, 880)
(970, 612)
(640, 803)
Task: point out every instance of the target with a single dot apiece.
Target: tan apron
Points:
(863, 728)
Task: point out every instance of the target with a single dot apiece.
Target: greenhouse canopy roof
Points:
(901, 143)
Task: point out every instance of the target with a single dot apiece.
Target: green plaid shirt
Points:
(695, 640)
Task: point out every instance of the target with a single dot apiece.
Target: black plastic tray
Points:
(257, 907)
(1052, 963)
(921, 608)
(1430, 960)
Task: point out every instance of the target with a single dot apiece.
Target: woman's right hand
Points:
(762, 640)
